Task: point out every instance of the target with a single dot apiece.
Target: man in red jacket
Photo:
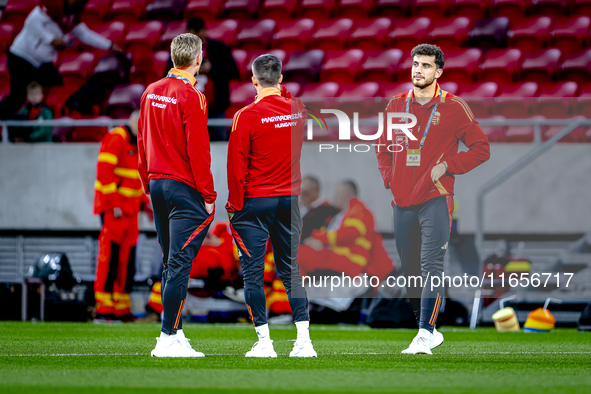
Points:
(420, 173)
(174, 165)
(264, 183)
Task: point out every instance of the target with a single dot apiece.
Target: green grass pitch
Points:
(90, 358)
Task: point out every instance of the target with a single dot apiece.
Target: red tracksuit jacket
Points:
(265, 149)
(453, 122)
(173, 141)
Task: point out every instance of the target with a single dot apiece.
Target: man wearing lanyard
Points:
(420, 173)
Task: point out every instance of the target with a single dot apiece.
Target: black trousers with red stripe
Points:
(422, 236)
(182, 223)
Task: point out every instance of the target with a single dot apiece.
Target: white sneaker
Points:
(419, 345)
(173, 346)
(262, 349)
(186, 342)
(436, 339)
(303, 349)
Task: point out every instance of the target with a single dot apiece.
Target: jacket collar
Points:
(431, 102)
(182, 74)
(265, 92)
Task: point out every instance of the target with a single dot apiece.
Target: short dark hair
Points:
(267, 70)
(195, 24)
(351, 185)
(313, 180)
(429, 50)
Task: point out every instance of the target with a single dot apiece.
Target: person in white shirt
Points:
(49, 28)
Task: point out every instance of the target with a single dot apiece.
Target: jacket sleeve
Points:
(384, 156)
(198, 146)
(238, 149)
(471, 134)
(106, 184)
(90, 37)
(353, 227)
(142, 163)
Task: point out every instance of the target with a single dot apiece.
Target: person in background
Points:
(315, 212)
(34, 109)
(47, 30)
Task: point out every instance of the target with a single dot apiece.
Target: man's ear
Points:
(254, 81)
(280, 79)
(438, 72)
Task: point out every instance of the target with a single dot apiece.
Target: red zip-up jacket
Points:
(173, 142)
(453, 122)
(265, 149)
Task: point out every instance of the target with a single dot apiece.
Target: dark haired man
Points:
(420, 173)
(264, 183)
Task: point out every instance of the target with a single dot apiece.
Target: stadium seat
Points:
(461, 64)
(124, 99)
(570, 34)
(75, 68)
(580, 7)
(577, 67)
(143, 37)
(530, 33)
(523, 133)
(450, 86)
(501, 65)
(333, 34)
(241, 57)
(577, 135)
(128, 11)
(495, 133)
(293, 35)
(359, 97)
(381, 65)
(241, 94)
(95, 12)
(473, 9)
(224, 31)
(240, 9)
(303, 66)
(57, 96)
(404, 67)
(111, 68)
(479, 97)
(391, 89)
(16, 11)
(319, 95)
(342, 65)
(554, 8)
(90, 133)
(165, 10)
(408, 33)
(280, 10)
(393, 8)
(541, 65)
(148, 69)
(114, 31)
(583, 102)
(4, 75)
(371, 33)
(252, 55)
(6, 36)
(431, 8)
(172, 30)
(516, 100)
(317, 9)
(557, 99)
(355, 9)
(450, 33)
(489, 33)
(255, 34)
(293, 88)
(514, 9)
(206, 9)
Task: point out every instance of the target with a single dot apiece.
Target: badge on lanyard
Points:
(413, 158)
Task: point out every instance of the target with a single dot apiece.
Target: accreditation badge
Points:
(413, 157)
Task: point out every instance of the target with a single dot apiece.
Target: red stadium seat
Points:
(95, 12)
(143, 37)
(408, 33)
(473, 9)
(333, 34)
(149, 69)
(6, 36)
(450, 87)
(110, 68)
(172, 30)
(577, 67)
(247, 71)
(240, 9)
(316, 94)
(381, 65)
(391, 89)
(541, 65)
(431, 8)
(128, 11)
(241, 57)
(317, 9)
(57, 96)
(75, 68)
(514, 9)
(404, 67)
(293, 88)
(124, 100)
(241, 94)
(530, 33)
(501, 65)
(206, 9)
(358, 97)
(16, 11)
(90, 133)
(355, 9)
(522, 133)
(450, 33)
(4, 75)
(255, 35)
(495, 133)
(224, 31)
(461, 65)
(393, 8)
(516, 100)
(293, 35)
(577, 135)
(557, 100)
(342, 65)
(279, 10)
(479, 97)
(165, 9)
(489, 33)
(303, 66)
(580, 7)
(371, 34)
(570, 34)
(554, 8)
(114, 31)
